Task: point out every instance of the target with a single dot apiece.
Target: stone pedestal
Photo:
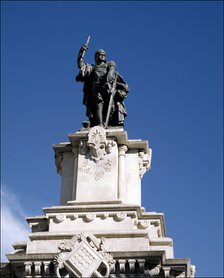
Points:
(100, 228)
(100, 165)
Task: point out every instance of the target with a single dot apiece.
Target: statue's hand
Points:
(108, 87)
(84, 48)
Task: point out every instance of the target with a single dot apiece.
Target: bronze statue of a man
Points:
(104, 90)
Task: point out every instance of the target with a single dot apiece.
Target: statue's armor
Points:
(99, 77)
(99, 72)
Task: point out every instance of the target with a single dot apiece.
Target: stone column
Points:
(166, 270)
(131, 263)
(37, 269)
(67, 178)
(46, 269)
(75, 151)
(28, 266)
(141, 263)
(121, 171)
(122, 270)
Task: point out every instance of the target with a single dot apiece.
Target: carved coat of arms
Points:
(82, 256)
(96, 150)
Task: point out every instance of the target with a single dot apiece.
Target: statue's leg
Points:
(99, 113)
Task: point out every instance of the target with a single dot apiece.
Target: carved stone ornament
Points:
(97, 170)
(120, 216)
(154, 271)
(143, 224)
(59, 218)
(144, 160)
(83, 256)
(96, 149)
(59, 162)
(90, 217)
(98, 145)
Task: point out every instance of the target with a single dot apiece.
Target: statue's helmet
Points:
(98, 52)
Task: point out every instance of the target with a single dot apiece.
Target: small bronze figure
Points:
(104, 90)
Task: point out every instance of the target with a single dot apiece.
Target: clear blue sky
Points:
(170, 54)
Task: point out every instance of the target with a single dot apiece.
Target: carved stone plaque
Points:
(83, 261)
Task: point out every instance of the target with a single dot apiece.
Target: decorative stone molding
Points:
(74, 216)
(59, 218)
(38, 224)
(144, 162)
(159, 232)
(34, 268)
(133, 215)
(120, 216)
(143, 224)
(83, 256)
(157, 224)
(122, 150)
(90, 217)
(105, 215)
(59, 162)
(66, 245)
(154, 223)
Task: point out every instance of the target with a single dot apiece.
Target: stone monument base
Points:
(100, 229)
(135, 240)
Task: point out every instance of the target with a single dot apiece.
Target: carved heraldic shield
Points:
(82, 256)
